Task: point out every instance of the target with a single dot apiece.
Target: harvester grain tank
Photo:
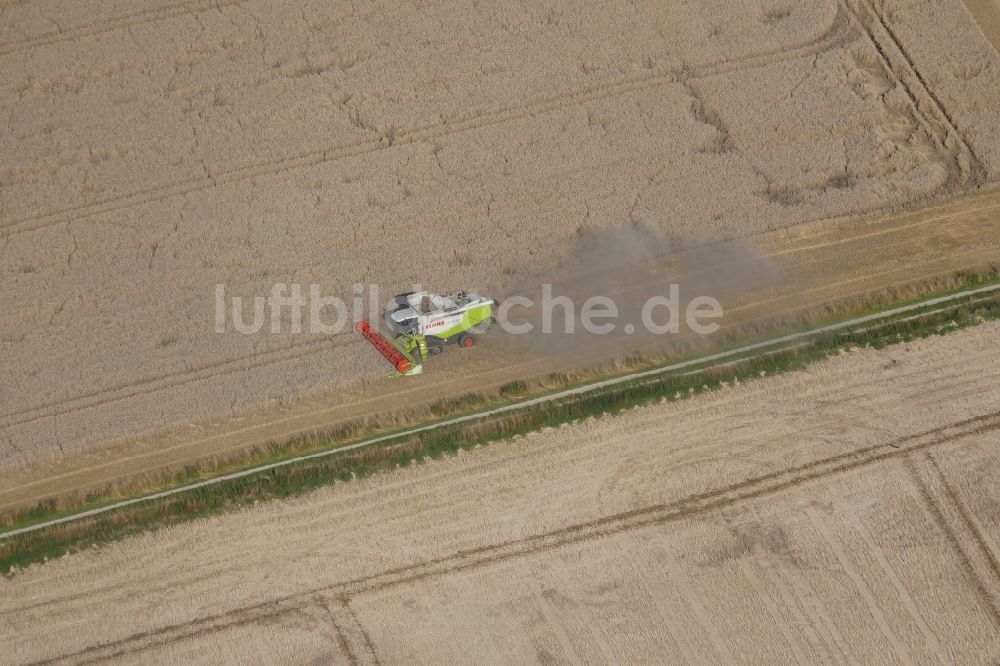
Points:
(424, 322)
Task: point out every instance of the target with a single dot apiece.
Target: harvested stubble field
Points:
(151, 150)
(845, 513)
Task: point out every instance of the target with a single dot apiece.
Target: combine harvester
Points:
(424, 322)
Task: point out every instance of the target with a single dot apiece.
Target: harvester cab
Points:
(424, 322)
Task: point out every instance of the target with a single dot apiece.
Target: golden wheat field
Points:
(151, 150)
(842, 514)
(797, 160)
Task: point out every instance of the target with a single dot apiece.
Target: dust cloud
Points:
(648, 278)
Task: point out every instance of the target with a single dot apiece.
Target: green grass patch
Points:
(463, 403)
(514, 389)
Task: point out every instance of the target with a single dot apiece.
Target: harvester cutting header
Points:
(424, 322)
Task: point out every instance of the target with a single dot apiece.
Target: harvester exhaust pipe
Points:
(402, 364)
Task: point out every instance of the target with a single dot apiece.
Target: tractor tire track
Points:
(171, 380)
(357, 640)
(124, 22)
(720, 66)
(218, 5)
(938, 108)
(838, 32)
(970, 524)
(334, 612)
(923, 480)
(750, 489)
(898, 64)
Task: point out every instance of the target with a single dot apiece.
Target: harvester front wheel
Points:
(465, 340)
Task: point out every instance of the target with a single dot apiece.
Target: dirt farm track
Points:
(786, 157)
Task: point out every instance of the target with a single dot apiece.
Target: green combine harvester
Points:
(425, 322)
